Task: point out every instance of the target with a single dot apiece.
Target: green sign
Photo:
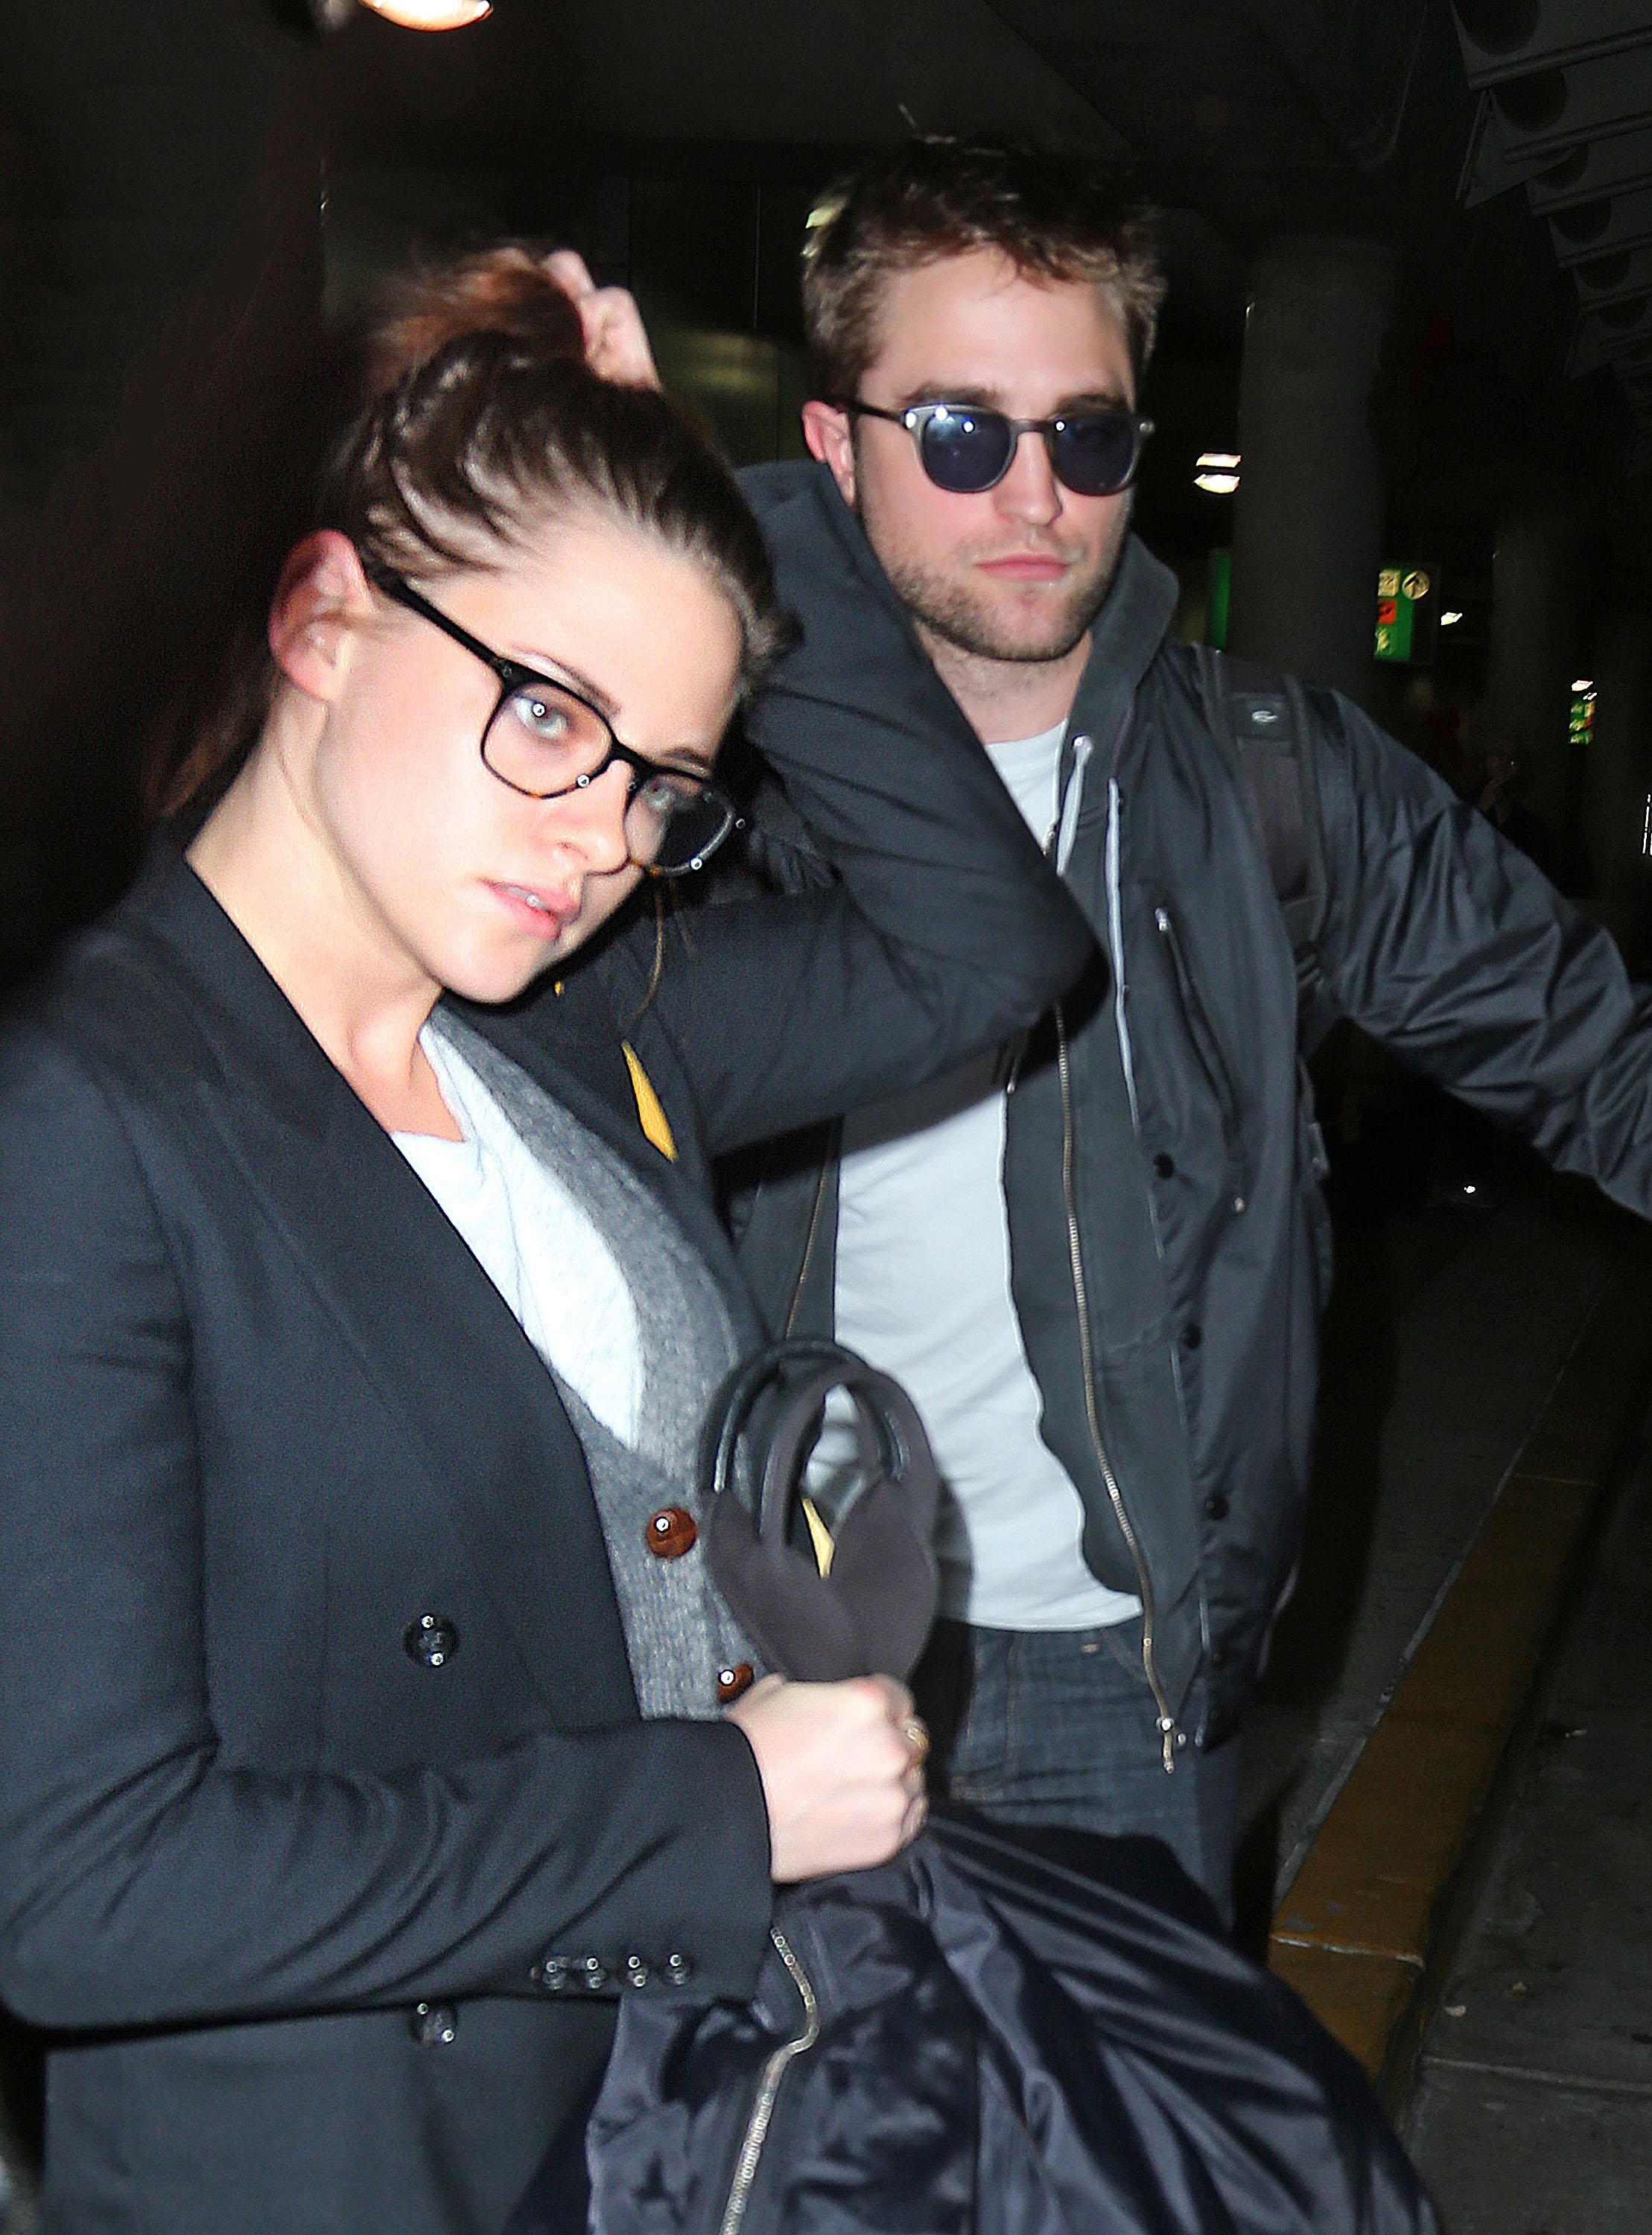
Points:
(1221, 580)
(1407, 615)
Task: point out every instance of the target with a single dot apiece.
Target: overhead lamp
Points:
(431, 15)
(1217, 472)
(1449, 619)
(1583, 684)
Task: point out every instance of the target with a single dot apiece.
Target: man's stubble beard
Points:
(945, 608)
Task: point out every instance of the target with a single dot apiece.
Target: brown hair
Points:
(482, 421)
(937, 197)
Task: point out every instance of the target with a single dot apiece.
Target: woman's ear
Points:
(323, 594)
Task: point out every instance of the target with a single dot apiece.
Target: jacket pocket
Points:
(1201, 1034)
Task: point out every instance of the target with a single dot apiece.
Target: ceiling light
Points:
(1449, 619)
(1584, 683)
(1218, 462)
(1217, 484)
(432, 14)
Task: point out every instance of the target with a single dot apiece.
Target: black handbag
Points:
(871, 1608)
(997, 2033)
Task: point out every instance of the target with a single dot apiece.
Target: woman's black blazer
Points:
(328, 1826)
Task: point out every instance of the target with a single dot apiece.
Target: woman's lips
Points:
(543, 914)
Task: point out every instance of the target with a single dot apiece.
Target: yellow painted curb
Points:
(1368, 1922)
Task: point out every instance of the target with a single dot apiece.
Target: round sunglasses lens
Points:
(966, 451)
(1096, 453)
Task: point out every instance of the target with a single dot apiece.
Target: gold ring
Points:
(918, 1737)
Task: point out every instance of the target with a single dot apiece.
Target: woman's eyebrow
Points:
(558, 671)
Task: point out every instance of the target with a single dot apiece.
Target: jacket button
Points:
(731, 1682)
(434, 2025)
(1192, 1335)
(670, 1533)
(551, 1973)
(678, 1970)
(432, 1640)
(593, 1975)
(1164, 1165)
(638, 1971)
(1217, 1507)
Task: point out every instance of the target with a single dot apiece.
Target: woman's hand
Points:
(617, 346)
(842, 1771)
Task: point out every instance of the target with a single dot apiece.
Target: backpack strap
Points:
(1262, 717)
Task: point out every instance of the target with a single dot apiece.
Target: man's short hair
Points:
(937, 197)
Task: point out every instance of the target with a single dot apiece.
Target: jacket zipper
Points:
(768, 2088)
(1169, 1736)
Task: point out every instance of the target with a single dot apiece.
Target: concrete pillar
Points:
(1617, 775)
(1536, 642)
(1308, 516)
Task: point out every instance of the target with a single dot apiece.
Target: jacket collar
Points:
(822, 558)
(424, 1321)
(1124, 640)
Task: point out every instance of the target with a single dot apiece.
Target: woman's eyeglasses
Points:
(967, 450)
(545, 741)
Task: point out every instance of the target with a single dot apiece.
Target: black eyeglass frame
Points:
(916, 418)
(512, 677)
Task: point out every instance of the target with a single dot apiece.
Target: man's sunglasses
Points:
(966, 449)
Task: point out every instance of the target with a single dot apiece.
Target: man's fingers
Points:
(572, 273)
(617, 344)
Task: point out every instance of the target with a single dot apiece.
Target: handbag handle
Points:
(873, 1611)
(883, 1411)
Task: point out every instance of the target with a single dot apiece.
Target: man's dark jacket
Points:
(1170, 1250)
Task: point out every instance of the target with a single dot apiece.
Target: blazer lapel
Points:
(420, 1313)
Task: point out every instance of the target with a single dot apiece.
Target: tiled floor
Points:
(1446, 1335)
(1533, 2112)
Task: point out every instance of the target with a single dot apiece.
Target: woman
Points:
(367, 1729)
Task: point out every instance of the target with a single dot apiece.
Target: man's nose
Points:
(591, 821)
(1030, 491)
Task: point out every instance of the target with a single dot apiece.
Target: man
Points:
(1099, 1264)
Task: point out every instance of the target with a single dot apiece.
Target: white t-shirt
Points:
(538, 1246)
(922, 1291)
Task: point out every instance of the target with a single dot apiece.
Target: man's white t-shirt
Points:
(922, 1291)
